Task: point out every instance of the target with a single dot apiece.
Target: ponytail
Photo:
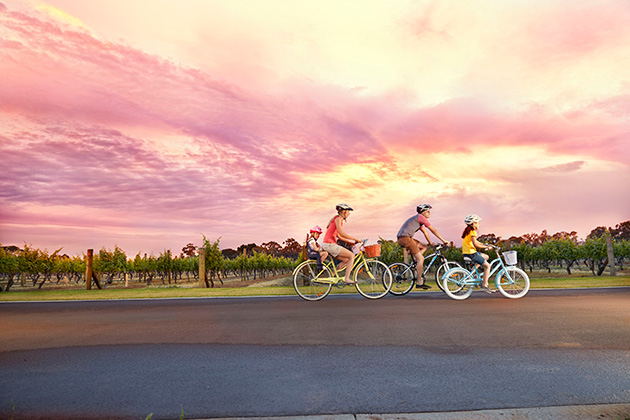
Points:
(469, 228)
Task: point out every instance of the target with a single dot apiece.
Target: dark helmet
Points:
(340, 207)
(423, 207)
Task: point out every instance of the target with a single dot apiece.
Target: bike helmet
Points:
(471, 218)
(343, 207)
(423, 207)
(316, 229)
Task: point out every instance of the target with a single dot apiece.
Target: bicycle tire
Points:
(403, 278)
(442, 269)
(377, 285)
(453, 286)
(306, 284)
(515, 288)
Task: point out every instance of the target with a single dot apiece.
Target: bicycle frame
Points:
(475, 278)
(427, 267)
(336, 279)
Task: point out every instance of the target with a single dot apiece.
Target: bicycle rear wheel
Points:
(403, 278)
(512, 282)
(306, 284)
(442, 269)
(454, 285)
(374, 279)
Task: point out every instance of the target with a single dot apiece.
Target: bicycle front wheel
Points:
(512, 282)
(442, 269)
(454, 284)
(403, 278)
(309, 283)
(374, 279)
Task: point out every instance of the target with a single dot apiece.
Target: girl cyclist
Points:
(334, 231)
(313, 249)
(470, 244)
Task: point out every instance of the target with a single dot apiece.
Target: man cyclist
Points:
(415, 247)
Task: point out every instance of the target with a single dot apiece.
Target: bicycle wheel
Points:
(374, 279)
(404, 277)
(442, 269)
(454, 285)
(306, 284)
(512, 282)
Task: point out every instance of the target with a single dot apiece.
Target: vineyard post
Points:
(202, 267)
(611, 255)
(89, 272)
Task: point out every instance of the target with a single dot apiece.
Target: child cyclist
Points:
(415, 247)
(470, 244)
(335, 231)
(313, 249)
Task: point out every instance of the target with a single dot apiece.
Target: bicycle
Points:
(373, 278)
(512, 282)
(405, 275)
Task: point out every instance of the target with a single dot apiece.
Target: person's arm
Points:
(437, 234)
(478, 244)
(426, 234)
(343, 235)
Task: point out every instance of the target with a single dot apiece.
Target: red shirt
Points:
(330, 237)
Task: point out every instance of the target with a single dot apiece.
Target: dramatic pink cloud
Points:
(147, 127)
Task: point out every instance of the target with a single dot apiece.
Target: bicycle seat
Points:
(469, 263)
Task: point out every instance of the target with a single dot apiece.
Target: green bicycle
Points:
(373, 278)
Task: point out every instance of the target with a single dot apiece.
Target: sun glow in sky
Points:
(148, 124)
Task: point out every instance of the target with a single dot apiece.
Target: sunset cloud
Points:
(250, 124)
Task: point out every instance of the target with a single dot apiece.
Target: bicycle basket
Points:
(373, 250)
(510, 257)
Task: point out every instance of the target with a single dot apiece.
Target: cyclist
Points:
(313, 249)
(334, 231)
(414, 246)
(470, 244)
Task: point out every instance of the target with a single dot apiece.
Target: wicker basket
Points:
(373, 250)
(510, 257)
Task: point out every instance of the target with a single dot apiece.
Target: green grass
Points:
(189, 292)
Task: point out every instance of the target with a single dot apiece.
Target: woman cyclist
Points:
(335, 231)
(470, 244)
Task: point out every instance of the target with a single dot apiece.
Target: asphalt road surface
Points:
(281, 356)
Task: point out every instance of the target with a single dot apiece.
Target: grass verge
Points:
(177, 292)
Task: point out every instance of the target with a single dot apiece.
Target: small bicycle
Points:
(513, 283)
(405, 275)
(373, 278)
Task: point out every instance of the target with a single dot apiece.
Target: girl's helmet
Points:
(423, 207)
(471, 218)
(343, 207)
(316, 229)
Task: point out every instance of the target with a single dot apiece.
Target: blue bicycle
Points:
(513, 283)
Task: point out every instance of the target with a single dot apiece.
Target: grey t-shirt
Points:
(412, 225)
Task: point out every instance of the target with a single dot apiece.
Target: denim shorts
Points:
(476, 257)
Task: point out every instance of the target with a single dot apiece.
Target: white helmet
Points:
(472, 218)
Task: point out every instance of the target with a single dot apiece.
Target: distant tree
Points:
(189, 250)
(598, 232)
(229, 253)
(490, 238)
(271, 248)
(621, 231)
(292, 248)
(248, 249)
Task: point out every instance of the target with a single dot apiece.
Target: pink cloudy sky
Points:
(148, 123)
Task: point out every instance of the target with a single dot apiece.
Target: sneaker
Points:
(423, 286)
(487, 289)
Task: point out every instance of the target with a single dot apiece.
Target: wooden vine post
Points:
(90, 275)
(203, 282)
(611, 255)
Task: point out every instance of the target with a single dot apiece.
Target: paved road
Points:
(284, 356)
